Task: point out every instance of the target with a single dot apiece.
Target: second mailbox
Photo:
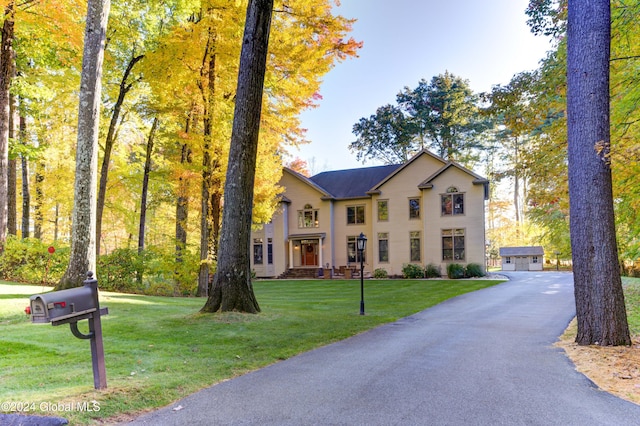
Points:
(63, 305)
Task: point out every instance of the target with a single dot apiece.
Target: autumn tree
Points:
(83, 255)
(232, 288)
(6, 71)
(600, 304)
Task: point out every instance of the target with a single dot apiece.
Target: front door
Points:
(309, 253)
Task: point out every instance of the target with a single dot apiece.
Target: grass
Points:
(160, 349)
(632, 301)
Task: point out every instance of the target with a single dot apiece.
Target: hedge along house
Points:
(425, 211)
(522, 258)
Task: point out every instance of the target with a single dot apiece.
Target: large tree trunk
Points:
(6, 69)
(206, 223)
(232, 288)
(83, 230)
(599, 298)
(26, 193)
(108, 146)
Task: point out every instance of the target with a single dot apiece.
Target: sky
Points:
(483, 41)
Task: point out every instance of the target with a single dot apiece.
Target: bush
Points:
(432, 271)
(474, 270)
(380, 273)
(410, 270)
(455, 271)
(28, 260)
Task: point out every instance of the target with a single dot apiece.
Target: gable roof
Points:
(352, 183)
(307, 181)
(478, 180)
(522, 251)
(402, 166)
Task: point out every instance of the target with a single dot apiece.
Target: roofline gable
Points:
(306, 180)
(399, 169)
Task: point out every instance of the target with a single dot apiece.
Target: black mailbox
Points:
(69, 307)
(63, 306)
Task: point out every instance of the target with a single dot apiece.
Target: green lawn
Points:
(160, 349)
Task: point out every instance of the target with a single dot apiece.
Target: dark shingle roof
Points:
(522, 251)
(352, 183)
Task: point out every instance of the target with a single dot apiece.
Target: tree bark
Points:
(83, 229)
(600, 308)
(26, 193)
(145, 185)
(232, 288)
(37, 208)
(12, 178)
(108, 146)
(6, 53)
(182, 202)
(206, 222)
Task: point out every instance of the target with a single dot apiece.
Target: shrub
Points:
(432, 271)
(380, 273)
(28, 260)
(410, 270)
(474, 270)
(455, 271)
(120, 269)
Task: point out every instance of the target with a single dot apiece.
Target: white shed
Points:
(522, 258)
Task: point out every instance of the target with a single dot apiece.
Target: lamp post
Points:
(557, 261)
(362, 243)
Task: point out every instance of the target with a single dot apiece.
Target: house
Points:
(425, 211)
(522, 258)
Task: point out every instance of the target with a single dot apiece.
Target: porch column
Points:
(320, 252)
(290, 254)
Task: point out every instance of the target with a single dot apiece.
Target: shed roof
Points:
(522, 251)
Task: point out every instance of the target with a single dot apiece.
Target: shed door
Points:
(522, 263)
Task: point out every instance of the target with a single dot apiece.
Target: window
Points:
(507, 260)
(308, 218)
(535, 259)
(383, 210)
(383, 247)
(453, 244)
(414, 244)
(270, 251)
(452, 202)
(355, 215)
(414, 208)
(352, 251)
(257, 251)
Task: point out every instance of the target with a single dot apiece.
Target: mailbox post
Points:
(69, 307)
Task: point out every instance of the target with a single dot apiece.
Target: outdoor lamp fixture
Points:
(362, 243)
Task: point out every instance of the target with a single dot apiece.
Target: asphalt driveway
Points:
(485, 358)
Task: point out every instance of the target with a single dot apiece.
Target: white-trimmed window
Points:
(257, 251)
(452, 202)
(308, 217)
(383, 247)
(453, 244)
(355, 215)
(414, 208)
(414, 246)
(534, 259)
(383, 210)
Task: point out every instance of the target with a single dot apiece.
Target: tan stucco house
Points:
(529, 258)
(424, 211)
